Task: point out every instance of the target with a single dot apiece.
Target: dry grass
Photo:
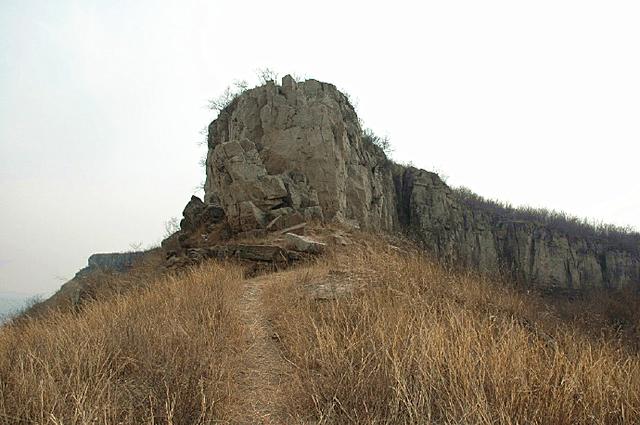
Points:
(162, 353)
(371, 335)
(99, 285)
(417, 344)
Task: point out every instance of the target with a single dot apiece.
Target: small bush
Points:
(267, 74)
(228, 95)
(171, 226)
(368, 136)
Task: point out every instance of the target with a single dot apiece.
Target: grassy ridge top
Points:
(371, 333)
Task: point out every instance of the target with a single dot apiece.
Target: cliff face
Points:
(279, 155)
(530, 252)
(113, 262)
(296, 148)
(118, 262)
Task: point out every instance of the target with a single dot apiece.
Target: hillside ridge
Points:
(280, 155)
(372, 331)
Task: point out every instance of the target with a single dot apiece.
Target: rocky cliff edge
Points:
(280, 155)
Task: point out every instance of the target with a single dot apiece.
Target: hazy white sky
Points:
(101, 104)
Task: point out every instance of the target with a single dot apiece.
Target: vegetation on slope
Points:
(415, 343)
(160, 354)
(371, 333)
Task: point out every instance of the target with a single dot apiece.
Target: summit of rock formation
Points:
(281, 155)
(296, 149)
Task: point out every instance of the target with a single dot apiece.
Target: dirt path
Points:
(263, 367)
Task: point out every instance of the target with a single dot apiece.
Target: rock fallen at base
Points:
(304, 244)
(262, 253)
(271, 253)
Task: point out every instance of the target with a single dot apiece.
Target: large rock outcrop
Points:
(529, 251)
(281, 154)
(296, 148)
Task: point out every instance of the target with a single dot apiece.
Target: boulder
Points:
(249, 217)
(304, 244)
(196, 214)
(271, 253)
(192, 214)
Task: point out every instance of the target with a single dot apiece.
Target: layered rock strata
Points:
(283, 154)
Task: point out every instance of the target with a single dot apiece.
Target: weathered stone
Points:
(220, 252)
(296, 152)
(249, 216)
(197, 213)
(192, 213)
(118, 262)
(528, 251)
(112, 262)
(301, 194)
(255, 234)
(292, 219)
(275, 224)
(309, 136)
(286, 221)
(304, 244)
(176, 262)
(313, 214)
(298, 229)
(171, 243)
(289, 86)
(295, 256)
(212, 214)
(271, 253)
(280, 211)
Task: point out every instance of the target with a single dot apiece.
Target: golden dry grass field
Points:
(368, 334)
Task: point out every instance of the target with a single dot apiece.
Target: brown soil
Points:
(264, 369)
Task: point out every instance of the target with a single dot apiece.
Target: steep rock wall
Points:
(281, 154)
(530, 252)
(296, 146)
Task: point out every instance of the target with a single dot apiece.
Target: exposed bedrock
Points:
(528, 251)
(282, 154)
(296, 147)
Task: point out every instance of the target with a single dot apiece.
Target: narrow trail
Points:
(264, 369)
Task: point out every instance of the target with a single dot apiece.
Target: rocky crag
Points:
(280, 155)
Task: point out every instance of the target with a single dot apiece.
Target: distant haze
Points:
(11, 303)
(102, 102)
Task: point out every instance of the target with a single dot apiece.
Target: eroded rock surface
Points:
(304, 244)
(296, 148)
(529, 251)
(116, 262)
(280, 155)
